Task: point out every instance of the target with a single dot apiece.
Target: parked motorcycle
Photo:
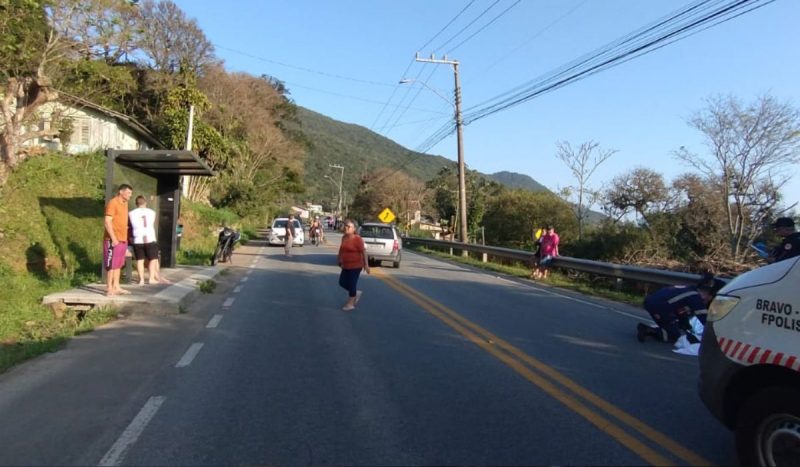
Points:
(227, 238)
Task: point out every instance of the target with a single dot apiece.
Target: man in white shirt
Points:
(145, 247)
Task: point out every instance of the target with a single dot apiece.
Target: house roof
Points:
(120, 118)
(163, 162)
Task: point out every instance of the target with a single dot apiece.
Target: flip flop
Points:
(122, 292)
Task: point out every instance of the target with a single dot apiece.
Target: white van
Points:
(750, 363)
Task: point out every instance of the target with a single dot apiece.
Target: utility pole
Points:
(189, 132)
(462, 185)
(341, 178)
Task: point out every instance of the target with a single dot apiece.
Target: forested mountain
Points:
(517, 180)
(360, 151)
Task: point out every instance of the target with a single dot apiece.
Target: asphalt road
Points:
(438, 365)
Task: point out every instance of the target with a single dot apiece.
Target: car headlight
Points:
(721, 306)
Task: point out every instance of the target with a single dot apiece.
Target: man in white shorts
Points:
(145, 246)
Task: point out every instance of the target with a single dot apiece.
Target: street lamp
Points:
(341, 178)
(462, 185)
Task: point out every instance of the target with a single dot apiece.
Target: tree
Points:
(512, 215)
(171, 41)
(752, 148)
(582, 162)
(387, 188)
(445, 195)
(260, 154)
(641, 190)
(28, 47)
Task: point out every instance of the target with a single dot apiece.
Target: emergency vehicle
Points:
(750, 363)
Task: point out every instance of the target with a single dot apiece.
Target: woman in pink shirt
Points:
(549, 250)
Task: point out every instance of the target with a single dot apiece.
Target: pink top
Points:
(549, 245)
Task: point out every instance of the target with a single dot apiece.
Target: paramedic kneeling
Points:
(672, 308)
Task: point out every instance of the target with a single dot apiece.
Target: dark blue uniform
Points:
(672, 308)
(789, 248)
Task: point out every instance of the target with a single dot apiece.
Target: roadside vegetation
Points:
(50, 240)
(632, 294)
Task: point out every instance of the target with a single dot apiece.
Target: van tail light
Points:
(396, 246)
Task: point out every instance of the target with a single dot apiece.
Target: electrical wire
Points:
(308, 70)
(502, 13)
(412, 61)
(441, 47)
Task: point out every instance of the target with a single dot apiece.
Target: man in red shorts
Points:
(115, 238)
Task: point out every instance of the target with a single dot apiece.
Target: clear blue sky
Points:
(639, 108)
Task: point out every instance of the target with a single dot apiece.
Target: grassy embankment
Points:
(557, 278)
(50, 236)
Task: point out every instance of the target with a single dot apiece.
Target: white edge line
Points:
(115, 455)
(192, 352)
(228, 302)
(252, 266)
(596, 305)
(249, 272)
(214, 321)
(237, 289)
(244, 279)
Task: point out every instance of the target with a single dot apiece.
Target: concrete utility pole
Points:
(341, 178)
(189, 134)
(462, 185)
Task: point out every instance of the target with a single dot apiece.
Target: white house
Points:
(94, 127)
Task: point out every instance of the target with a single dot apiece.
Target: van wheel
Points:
(768, 428)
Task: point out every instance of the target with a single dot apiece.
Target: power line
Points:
(485, 26)
(411, 62)
(530, 39)
(693, 18)
(308, 70)
(468, 25)
(361, 99)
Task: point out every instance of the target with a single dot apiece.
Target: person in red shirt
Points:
(352, 258)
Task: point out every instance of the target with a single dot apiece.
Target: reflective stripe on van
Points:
(747, 355)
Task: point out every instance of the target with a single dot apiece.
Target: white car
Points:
(277, 233)
(383, 243)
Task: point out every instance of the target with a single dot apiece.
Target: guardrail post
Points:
(451, 251)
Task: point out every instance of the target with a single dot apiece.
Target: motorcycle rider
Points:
(316, 231)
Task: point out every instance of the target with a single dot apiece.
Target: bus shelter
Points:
(156, 175)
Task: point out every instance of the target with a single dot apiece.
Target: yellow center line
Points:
(495, 346)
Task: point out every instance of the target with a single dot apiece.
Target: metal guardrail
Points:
(621, 271)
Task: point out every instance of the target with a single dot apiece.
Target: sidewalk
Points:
(167, 296)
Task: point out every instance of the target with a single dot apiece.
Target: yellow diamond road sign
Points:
(386, 216)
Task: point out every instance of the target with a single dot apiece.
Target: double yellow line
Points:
(545, 378)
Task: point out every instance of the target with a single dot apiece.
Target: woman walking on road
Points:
(352, 258)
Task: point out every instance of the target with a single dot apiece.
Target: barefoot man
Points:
(115, 238)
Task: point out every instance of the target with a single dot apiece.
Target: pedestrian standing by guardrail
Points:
(548, 250)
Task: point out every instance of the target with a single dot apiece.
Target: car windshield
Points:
(377, 231)
(281, 224)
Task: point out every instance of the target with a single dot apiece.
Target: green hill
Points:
(517, 180)
(360, 150)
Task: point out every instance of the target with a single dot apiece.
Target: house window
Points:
(84, 132)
